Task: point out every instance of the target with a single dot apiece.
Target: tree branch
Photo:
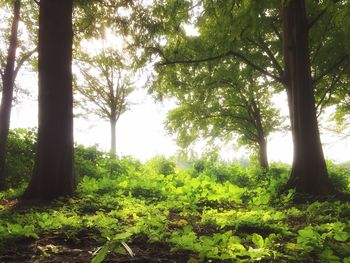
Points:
(2, 74)
(221, 56)
(320, 42)
(252, 136)
(23, 59)
(332, 67)
(275, 30)
(262, 45)
(94, 100)
(314, 21)
(329, 90)
(315, 54)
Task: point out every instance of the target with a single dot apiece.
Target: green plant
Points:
(20, 156)
(340, 176)
(160, 165)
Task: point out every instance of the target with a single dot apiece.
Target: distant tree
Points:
(10, 64)
(104, 82)
(53, 169)
(219, 102)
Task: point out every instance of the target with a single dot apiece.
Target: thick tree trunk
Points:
(7, 93)
(113, 123)
(53, 170)
(309, 173)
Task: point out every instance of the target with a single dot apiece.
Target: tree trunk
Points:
(7, 93)
(113, 151)
(53, 170)
(263, 161)
(262, 143)
(309, 173)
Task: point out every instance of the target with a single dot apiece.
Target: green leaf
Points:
(101, 254)
(341, 236)
(328, 256)
(258, 240)
(122, 236)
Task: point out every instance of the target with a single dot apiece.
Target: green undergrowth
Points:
(214, 211)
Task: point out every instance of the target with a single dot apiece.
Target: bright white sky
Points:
(140, 131)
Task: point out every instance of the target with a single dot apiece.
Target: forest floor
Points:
(188, 216)
(57, 247)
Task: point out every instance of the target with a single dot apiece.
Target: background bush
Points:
(93, 163)
(20, 156)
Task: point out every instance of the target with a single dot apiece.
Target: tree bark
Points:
(53, 170)
(261, 137)
(113, 151)
(7, 93)
(263, 161)
(309, 173)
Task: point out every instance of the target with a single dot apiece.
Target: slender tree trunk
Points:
(263, 161)
(53, 170)
(7, 93)
(262, 143)
(113, 123)
(309, 173)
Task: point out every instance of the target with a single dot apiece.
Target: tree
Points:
(106, 84)
(11, 63)
(218, 102)
(53, 169)
(277, 45)
(7, 93)
(309, 164)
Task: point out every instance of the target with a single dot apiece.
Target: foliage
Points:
(160, 165)
(340, 176)
(27, 36)
(218, 102)
(88, 161)
(214, 211)
(253, 36)
(20, 156)
(103, 82)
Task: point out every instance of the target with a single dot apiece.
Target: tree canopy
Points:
(264, 36)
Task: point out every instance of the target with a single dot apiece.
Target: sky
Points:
(141, 132)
